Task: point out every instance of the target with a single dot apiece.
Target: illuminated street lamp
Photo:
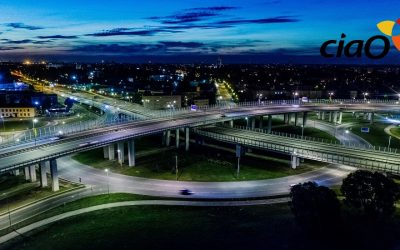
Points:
(119, 157)
(365, 95)
(108, 181)
(330, 95)
(33, 128)
(4, 127)
(295, 94)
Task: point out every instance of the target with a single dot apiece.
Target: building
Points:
(17, 112)
(27, 99)
(162, 102)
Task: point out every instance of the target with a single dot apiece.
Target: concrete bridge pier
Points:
(318, 115)
(121, 152)
(187, 139)
(177, 138)
(231, 123)
(285, 118)
(330, 117)
(168, 138)
(289, 119)
(335, 117)
(253, 122)
(296, 118)
(43, 174)
(304, 119)
(371, 117)
(340, 117)
(32, 172)
(27, 174)
(105, 152)
(261, 122)
(269, 126)
(293, 161)
(111, 152)
(131, 153)
(15, 172)
(323, 115)
(54, 175)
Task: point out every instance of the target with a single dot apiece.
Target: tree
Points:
(314, 207)
(373, 194)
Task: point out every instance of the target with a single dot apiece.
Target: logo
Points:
(376, 47)
(386, 27)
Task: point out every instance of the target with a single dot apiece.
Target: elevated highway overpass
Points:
(42, 147)
(386, 160)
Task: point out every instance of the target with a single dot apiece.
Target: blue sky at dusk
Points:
(248, 31)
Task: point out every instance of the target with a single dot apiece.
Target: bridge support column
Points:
(304, 119)
(43, 174)
(261, 122)
(269, 128)
(323, 115)
(15, 172)
(284, 118)
(55, 186)
(289, 119)
(121, 152)
(296, 118)
(294, 161)
(335, 117)
(330, 117)
(105, 152)
(111, 152)
(187, 139)
(340, 117)
(32, 172)
(131, 153)
(253, 123)
(177, 138)
(168, 138)
(365, 116)
(163, 138)
(231, 123)
(371, 118)
(26, 173)
(318, 115)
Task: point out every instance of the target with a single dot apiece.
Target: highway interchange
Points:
(98, 182)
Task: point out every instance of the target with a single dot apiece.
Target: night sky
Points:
(253, 31)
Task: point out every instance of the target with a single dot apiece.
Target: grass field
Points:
(16, 192)
(308, 131)
(157, 227)
(376, 135)
(210, 165)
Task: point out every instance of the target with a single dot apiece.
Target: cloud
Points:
(173, 44)
(119, 49)
(8, 41)
(193, 15)
(10, 48)
(278, 19)
(132, 32)
(57, 37)
(23, 26)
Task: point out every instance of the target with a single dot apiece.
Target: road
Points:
(309, 149)
(339, 132)
(93, 138)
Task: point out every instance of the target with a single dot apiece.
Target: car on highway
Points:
(185, 192)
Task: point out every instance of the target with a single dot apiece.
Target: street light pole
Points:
(176, 167)
(108, 181)
(4, 127)
(8, 209)
(33, 129)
